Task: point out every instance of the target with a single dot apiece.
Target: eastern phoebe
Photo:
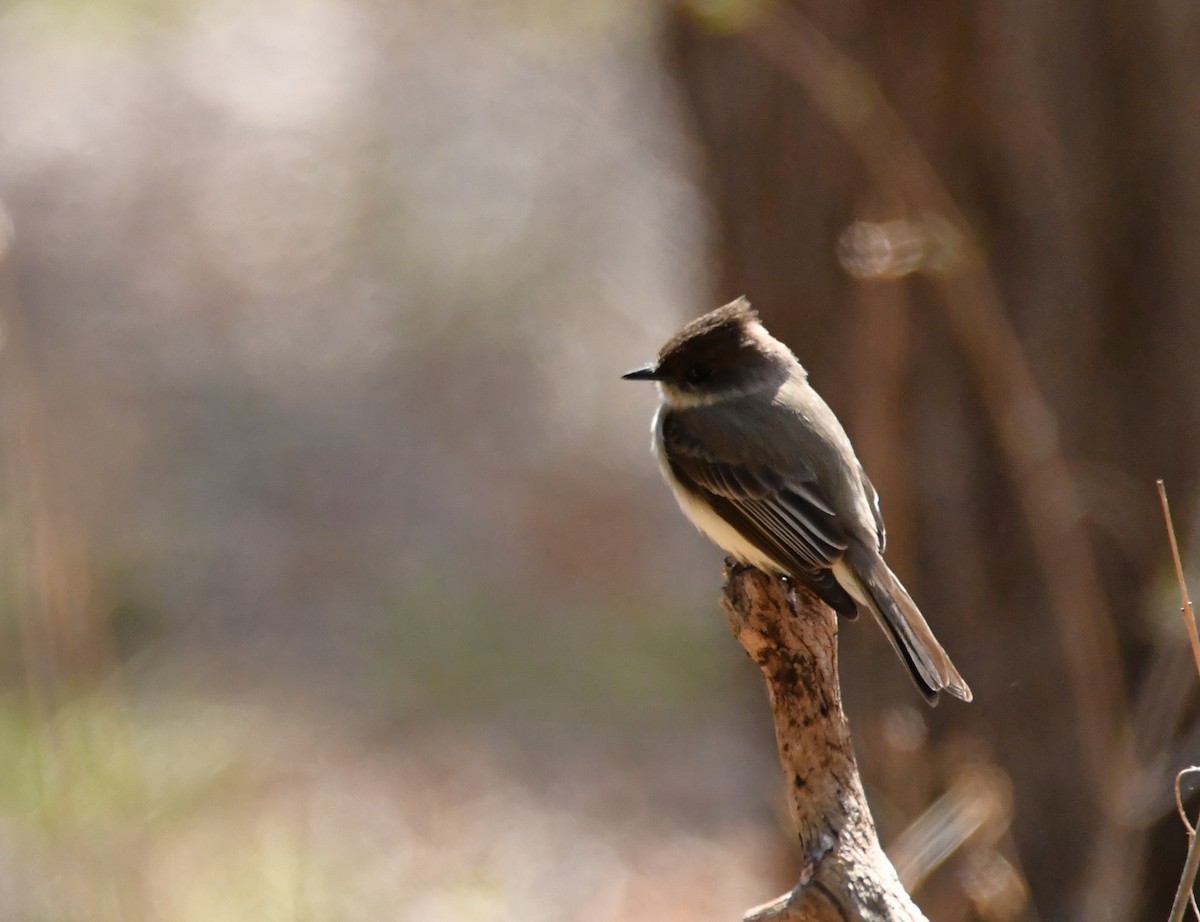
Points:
(759, 463)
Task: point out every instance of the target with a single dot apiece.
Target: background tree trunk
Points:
(1068, 138)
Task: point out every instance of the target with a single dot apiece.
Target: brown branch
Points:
(845, 876)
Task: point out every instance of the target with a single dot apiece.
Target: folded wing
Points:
(787, 518)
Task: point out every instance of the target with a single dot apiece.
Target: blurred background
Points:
(340, 582)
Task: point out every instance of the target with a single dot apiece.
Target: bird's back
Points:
(795, 433)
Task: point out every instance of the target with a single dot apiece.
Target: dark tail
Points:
(897, 613)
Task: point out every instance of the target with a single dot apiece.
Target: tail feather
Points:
(882, 592)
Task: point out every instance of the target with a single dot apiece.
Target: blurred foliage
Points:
(726, 16)
(597, 667)
(342, 584)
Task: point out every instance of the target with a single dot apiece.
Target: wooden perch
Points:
(845, 876)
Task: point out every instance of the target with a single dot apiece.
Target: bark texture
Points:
(845, 875)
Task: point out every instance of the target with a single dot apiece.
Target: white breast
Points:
(711, 525)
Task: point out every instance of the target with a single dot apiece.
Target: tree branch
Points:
(845, 876)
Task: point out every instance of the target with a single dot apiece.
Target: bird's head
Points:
(726, 353)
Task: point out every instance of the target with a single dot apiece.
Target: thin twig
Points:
(1183, 895)
(1185, 602)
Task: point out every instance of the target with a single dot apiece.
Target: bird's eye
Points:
(698, 374)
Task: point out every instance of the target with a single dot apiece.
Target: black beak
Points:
(645, 373)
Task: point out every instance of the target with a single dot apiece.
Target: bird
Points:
(760, 464)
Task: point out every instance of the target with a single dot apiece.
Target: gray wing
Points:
(788, 518)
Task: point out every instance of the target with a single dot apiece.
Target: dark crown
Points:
(725, 351)
(723, 329)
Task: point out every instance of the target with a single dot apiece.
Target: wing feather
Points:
(788, 518)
